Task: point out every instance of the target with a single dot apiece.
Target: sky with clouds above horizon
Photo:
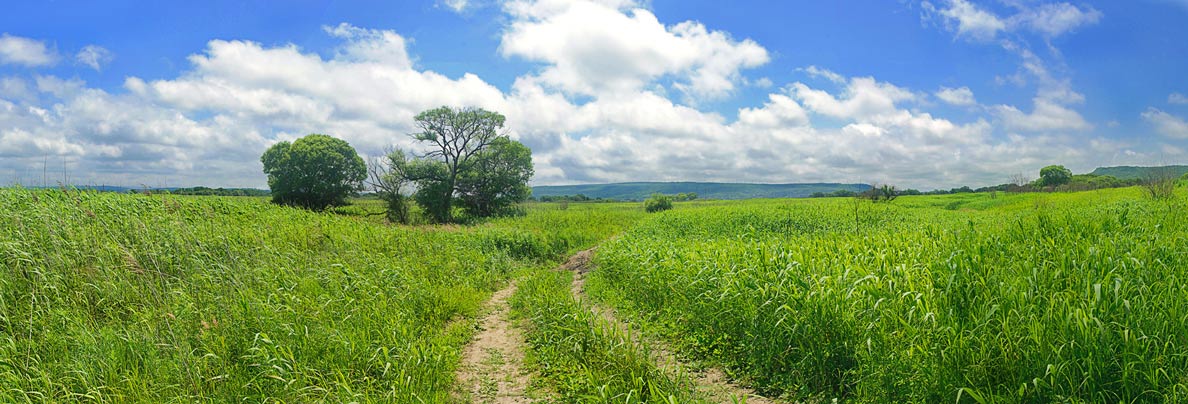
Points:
(922, 94)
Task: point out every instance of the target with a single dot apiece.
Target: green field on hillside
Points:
(1036, 297)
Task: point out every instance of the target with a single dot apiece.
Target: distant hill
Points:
(1131, 172)
(636, 191)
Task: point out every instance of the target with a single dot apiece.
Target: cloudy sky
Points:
(924, 94)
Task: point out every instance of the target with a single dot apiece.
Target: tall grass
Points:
(1021, 298)
(132, 298)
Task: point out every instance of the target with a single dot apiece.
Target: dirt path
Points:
(491, 371)
(711, 382)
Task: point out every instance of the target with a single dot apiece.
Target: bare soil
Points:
(491, 371)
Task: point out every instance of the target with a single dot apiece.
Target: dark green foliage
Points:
(434, 194)
(469, 162)
(658, 203)
(206, 191)
(1054, 175)
(841, 193)
(495, 179)
(885, 193)
(313, 172)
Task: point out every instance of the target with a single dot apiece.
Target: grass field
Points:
(968, 298)
(1079, 297)
(132, 298)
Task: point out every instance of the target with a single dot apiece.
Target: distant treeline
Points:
(1079, 182)
(206, 191)
(679, 197)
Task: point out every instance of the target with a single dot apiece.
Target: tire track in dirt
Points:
(711, 382)
(492, 371)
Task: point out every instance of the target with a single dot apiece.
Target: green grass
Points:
(132, 298)
(1018, 298)
(1077, 297)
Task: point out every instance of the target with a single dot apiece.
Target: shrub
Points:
(1160, 183)
(658, 203)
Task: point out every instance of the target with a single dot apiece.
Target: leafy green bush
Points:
(658, 203)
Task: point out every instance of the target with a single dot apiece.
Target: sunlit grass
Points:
(1011, 298)
(119, 298)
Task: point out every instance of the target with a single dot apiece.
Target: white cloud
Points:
(1050, 20)
(962, 96)
(25, 51)
(457, 5)
(371, 45)
(779, 111)
(17, 89)
(94, 56)
(1053, 20)
(1048, 116)
(1177, 98)
(591, 48)
(817, 72)
(210, 124)
(1166, 124)
(863, 97)
(968, 20)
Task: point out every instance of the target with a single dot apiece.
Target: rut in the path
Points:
(711, 382)
(491, 369)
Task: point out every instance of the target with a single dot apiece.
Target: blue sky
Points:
(936, 93)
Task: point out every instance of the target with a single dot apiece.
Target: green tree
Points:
(1055, 175)
(496, 178)
(469, 160)
(313, 172)
(658, 203)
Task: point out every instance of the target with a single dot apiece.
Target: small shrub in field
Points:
(1160, 183)
(658, 203)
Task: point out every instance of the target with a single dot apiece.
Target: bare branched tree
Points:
(386, 177)
(883, 192)
(1160, 182)
(1018, 182)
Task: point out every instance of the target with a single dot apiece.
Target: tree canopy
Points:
(313, 172)
(1055, 175)
(495, 178)
(469, 164)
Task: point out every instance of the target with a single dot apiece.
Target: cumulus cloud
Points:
(962, 96)
(596, 48)
(210, 124)
(94, 56)
(1047, 116)
(1177, 98)
(17, 50)
(1166, 124)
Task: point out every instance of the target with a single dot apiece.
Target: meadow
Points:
(132, 298)
(1036, 297)
(1077, 297)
